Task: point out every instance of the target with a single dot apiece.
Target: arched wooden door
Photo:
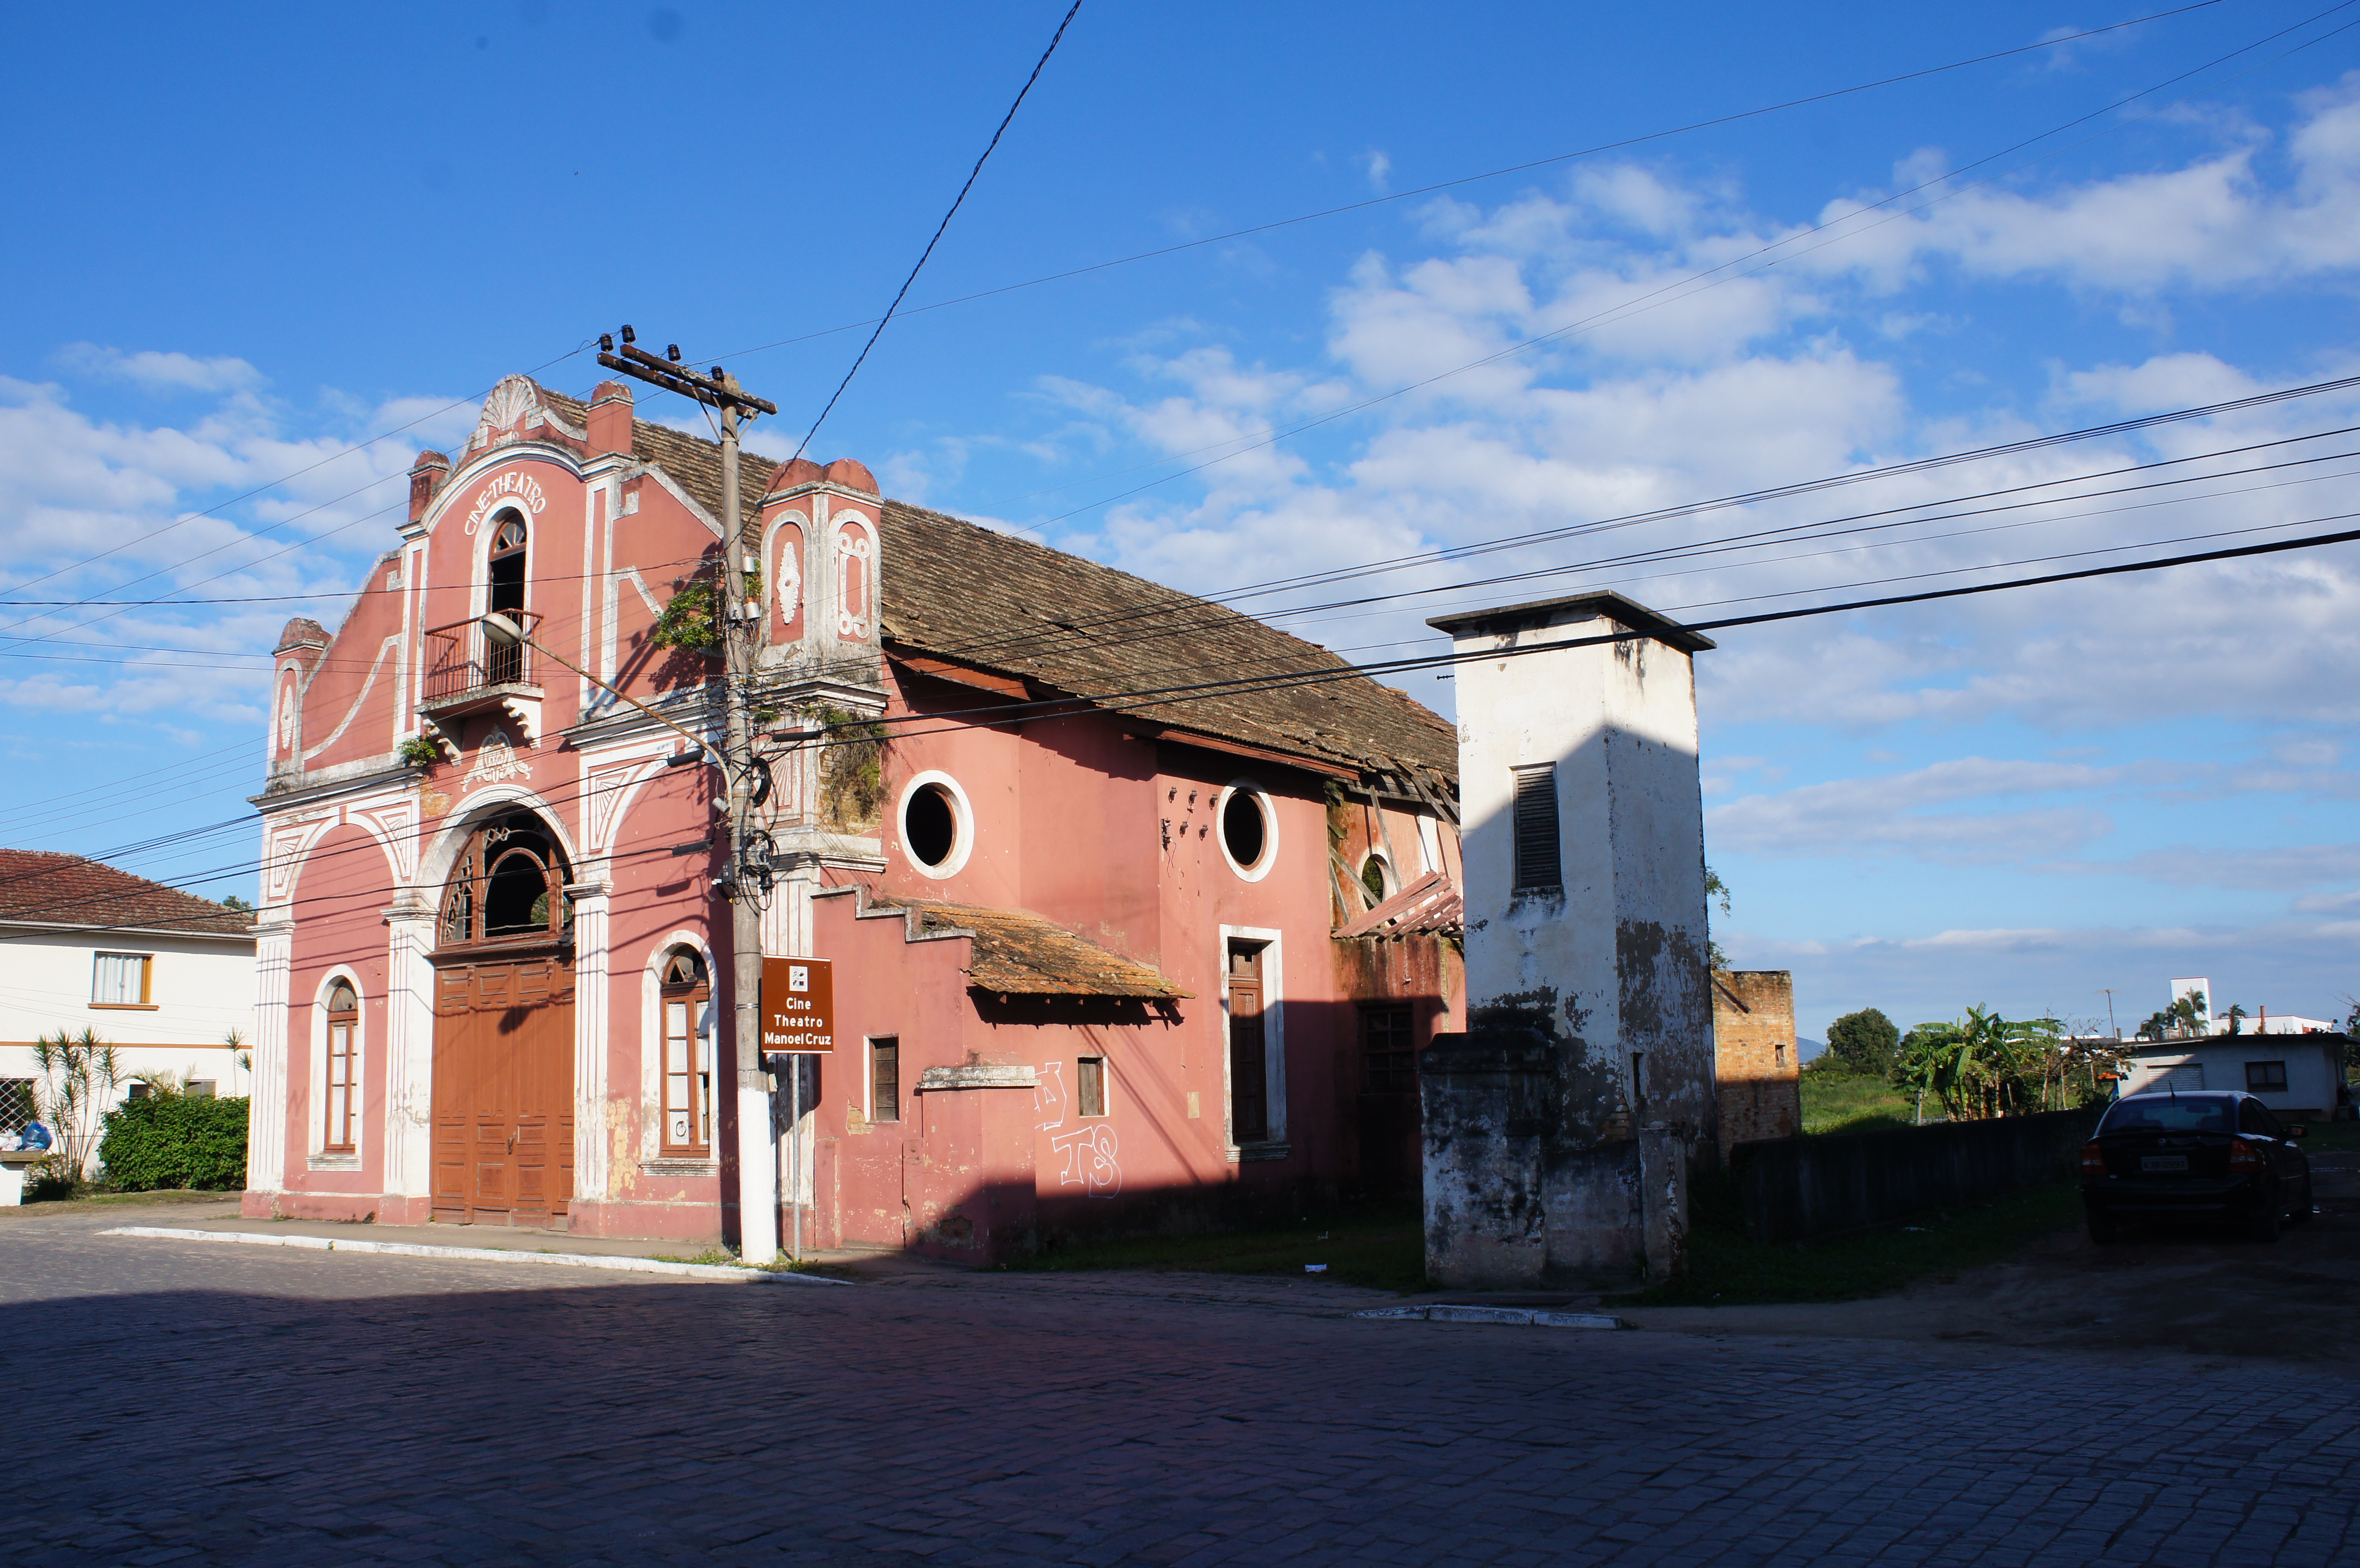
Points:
(504, 1032)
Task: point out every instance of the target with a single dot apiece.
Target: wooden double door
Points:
(503, 1091)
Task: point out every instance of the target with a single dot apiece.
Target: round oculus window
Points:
(1245, 830)
(937, 825)
(930, 826)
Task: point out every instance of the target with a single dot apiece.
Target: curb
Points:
(1533, 1317)
(485, 1255)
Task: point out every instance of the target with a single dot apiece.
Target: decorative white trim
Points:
(1260, 868)
(1273, 1032)
(963, 828)
(391, 645)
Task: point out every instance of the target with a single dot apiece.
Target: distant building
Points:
(162, 976)
(2297, 1076)
(1756, 1072)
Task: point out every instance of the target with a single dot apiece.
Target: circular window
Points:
(936, 824)
(1378, 879)
(1249, 831)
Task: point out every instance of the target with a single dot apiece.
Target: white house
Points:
(2298, 1075)
(162, 976)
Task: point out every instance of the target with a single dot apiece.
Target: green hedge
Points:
(175, 1140)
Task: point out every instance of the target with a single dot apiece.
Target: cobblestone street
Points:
(185, 1401)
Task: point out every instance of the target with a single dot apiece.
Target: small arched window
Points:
(341, 1124)
(686, 999)
(1377, 876)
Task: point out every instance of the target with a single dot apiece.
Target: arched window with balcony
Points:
(505, 595)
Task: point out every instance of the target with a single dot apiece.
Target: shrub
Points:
(175, 1140)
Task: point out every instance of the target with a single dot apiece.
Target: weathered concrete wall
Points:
(1607, 965)
(1799, 1187)
(1760, 1082)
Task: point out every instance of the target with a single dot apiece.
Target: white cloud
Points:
(161, 371)
(2216, 223)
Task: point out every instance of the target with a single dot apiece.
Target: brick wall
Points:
(1754, 1055)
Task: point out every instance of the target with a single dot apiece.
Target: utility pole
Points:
(2112, 1028)
(740, 628)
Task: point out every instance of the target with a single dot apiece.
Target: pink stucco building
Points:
(1104, 959)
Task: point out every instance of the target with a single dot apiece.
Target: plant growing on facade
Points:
(851, 771)
(419, 751)
(690, 621)
(79, 1075)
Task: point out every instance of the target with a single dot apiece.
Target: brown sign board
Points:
(798, 1006)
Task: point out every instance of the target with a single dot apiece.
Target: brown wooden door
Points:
(504, 1092)
(1249, 1070)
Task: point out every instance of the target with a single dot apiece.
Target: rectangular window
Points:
(885, 1079)
(1249, 1058)
(1089, 1084)
(687, 1077)
(344, 1087)
(2265, 1077)
(121, 980)
(16, 1103)
(1538, 862)
(1388, 1052)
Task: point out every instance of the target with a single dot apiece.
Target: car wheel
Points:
(2104, 1229)
(2263, 1225)
(2302, 1210)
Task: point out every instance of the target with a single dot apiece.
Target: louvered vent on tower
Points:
(1538, 860)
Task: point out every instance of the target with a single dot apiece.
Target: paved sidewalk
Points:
(247, 1405)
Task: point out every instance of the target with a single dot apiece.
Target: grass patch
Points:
(89, 1197)
(2330, 1137)
(1728, 1269)
(726, 1257)
(1852, 1102)
(1382, 1249)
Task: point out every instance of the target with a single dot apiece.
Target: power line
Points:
(957, 202)
(1663, 514)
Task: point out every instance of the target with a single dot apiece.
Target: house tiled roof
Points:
(1025, 955)
(38, 887)
(955, 590)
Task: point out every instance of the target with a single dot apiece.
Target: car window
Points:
(2252, 1118)
(2167, 1113)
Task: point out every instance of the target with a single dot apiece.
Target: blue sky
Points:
(240, 246)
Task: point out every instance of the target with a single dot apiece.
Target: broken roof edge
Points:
(1601, 605)
(998, 961)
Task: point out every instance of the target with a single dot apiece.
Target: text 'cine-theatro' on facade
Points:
(1099, 964)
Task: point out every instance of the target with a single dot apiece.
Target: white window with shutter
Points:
(121, 980)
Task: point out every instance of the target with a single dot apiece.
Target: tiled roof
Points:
(955, 590)
(1006, 605)
(1025, 955)
(41, 888)
(1428, 907)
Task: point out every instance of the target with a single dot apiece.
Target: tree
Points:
(1715, 891)
(2236, 1015)
(1866, 1041)
(76, 1088)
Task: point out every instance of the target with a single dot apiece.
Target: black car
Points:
(2208, 1153)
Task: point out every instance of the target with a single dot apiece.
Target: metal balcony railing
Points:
(462, 660)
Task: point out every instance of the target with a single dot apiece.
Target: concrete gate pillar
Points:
(1587, 984)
